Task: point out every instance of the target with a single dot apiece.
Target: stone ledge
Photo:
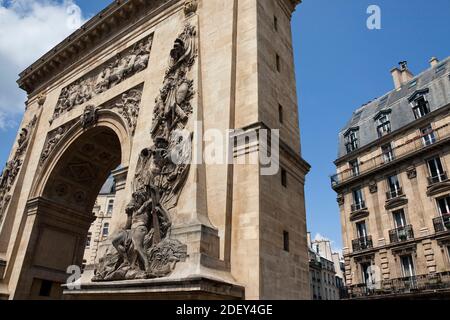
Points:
(195, 288)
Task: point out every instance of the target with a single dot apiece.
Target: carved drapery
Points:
(12, 168)
(123, 66)
(144, 248)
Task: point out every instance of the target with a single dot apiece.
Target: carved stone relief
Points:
(12, 167)
(143, 249)
(89, 117)
(190, 7)
(123, 66)
(53, 138)
(127, 105)
(411, 172)
(373, 186)
(340, 200)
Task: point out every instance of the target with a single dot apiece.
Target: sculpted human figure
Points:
(52, 143)
(140, 226)
(6, 174)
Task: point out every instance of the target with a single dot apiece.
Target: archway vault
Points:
(82, 160)
(59, 208)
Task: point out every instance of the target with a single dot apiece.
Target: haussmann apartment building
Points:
(393, 189)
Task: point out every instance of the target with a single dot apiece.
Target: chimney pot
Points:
(401, 75)
(434, 62)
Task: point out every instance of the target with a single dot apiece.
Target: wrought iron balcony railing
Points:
(394, 194)
(400, 151)
(410, 285)
(362, 244)
(442, 223)
(438, 178)
(401, 234)
(358, 206)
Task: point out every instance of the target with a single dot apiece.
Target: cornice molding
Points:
(117, 16)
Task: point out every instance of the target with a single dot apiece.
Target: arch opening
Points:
(61, 216)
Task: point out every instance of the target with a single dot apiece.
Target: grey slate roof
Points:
(108, 187)
(438, 84)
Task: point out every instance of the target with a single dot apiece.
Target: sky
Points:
(340, 65)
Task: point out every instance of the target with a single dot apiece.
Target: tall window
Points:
(420, 107)
(407, 266)
(88, 240)
(354, 167)
(436, 170)
(105, 231)
(284, 181)
(444, 205)
(366, 269)
(286, 241)
(278, 62)
(399, 218)
(275, 23)
(358, 199)
(428, 136)
(110, 206)
(448, 253)
(394, 186)
(351, 141)
(383, 125)
(280, 113)
(361, 230)
(388, 153)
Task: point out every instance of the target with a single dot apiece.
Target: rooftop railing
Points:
(400, 151)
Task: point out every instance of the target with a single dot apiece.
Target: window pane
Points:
(357, 196)
(399, 218)
(435, 167)
(444, 205)
(394, 184)
(408, 266)
(361, 229)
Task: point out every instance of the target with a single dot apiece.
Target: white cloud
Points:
(28, 29)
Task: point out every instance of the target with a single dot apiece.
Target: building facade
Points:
(116, 93)
(100, 228)
(393, 188)
(326, 274)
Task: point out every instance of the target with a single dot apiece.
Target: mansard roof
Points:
(434, 82)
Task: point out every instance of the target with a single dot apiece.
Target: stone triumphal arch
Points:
(132, 92)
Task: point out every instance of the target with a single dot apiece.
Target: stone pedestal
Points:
(193, 288)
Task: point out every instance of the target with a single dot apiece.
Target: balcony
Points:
(437, 179)
(362, 244)
(394, 194)
(442, 223)
(401, 151)
(418, 286)
(358, 206)
(401, 234)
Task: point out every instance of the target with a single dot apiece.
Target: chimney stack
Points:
(434, 62)
(401, 75)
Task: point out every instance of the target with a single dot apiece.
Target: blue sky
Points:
(340, 65)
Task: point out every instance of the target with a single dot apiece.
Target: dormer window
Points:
(420, 103)
(351, 140)
(383, 123)
(420, 107)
